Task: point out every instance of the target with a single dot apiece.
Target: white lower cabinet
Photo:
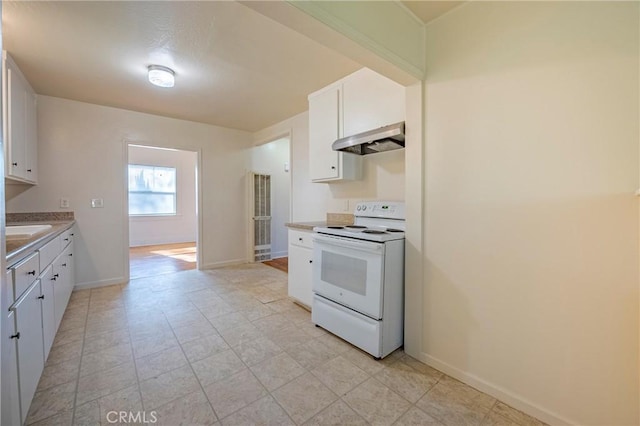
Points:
(60, 288)
(10, 388)
(300, 266)
(49, 322)
(28, 317)
(32, 324)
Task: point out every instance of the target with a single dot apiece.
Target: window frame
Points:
(175, 193)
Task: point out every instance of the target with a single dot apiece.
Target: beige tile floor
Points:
(226, 346)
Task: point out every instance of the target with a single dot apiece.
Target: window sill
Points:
(136, 218)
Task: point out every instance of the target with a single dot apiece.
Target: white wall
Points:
(270, 159)
(308, 200)
(181, 227)
(84, 148)
(383, 176)
(531, 267)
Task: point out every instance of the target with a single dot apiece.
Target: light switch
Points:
(97, 203)
(64, 203)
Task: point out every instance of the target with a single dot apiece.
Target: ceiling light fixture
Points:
(161, 76)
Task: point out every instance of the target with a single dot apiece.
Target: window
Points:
(152, 190)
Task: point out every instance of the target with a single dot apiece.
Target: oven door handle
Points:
(349, 243)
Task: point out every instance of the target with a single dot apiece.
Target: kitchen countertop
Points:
(308, 226)
(333, 219)
(18, 249)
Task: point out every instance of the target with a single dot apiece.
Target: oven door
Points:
(349, 272)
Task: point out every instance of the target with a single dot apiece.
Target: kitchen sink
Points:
(19, 232)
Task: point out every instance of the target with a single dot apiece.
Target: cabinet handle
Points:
(31, 272)
(66, 239)
(29, 170)
(64, 264)
(311, 261)
(15, 336)
(56, 275)
(53, 279)
(70, 254)
(41, 297)
(333, 167)
(73, 235)
(299, 238)
(15, 164)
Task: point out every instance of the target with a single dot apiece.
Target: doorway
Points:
(162, 210)
(269, 185)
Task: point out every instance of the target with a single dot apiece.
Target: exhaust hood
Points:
(385, 138)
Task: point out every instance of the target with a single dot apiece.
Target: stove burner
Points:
(394, 230)
(335, 227)
(356, 227)
(372, 231)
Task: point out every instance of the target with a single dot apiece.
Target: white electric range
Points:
(358, 278)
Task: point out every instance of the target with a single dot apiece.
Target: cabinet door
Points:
(31, 138)
(67, 265)
(28, 312)
(370, 101)
(324, 129)
(16, 118)
(300, 273)
(63, 281)
(10, 390)
(59, 288)
(48, 309)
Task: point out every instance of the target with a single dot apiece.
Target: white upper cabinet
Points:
(370, 101)
(20, 124)
(362, 101)
(324, 128)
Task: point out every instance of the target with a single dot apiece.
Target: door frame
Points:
(125, 201)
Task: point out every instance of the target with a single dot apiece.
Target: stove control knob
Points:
(359, 208)
(364, 208)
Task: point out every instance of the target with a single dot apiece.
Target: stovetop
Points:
(368, 233)
(377, 221)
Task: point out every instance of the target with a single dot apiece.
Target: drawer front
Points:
(48, 252)
(301, 238)
(66, 237)
(25, 273)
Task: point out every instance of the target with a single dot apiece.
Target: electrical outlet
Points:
(97, 203)
(64, 203)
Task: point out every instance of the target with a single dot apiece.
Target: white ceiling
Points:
(234, 67)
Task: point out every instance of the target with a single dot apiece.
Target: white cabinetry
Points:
(371, 101)
(49, 323)
(20, 124)
(10, 387)
(325, 125)
(362, 101)
(28, 313)
(34, 317)
(300, 266)
(62, 279)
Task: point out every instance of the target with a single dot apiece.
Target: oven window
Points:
(349, 273)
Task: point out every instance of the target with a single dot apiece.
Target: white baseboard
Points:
(497, 392)
(224, 263)
(279, 254)
(101, 283)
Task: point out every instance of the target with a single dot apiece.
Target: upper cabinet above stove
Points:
(370, 101)
(19, 124)
(362, 101)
